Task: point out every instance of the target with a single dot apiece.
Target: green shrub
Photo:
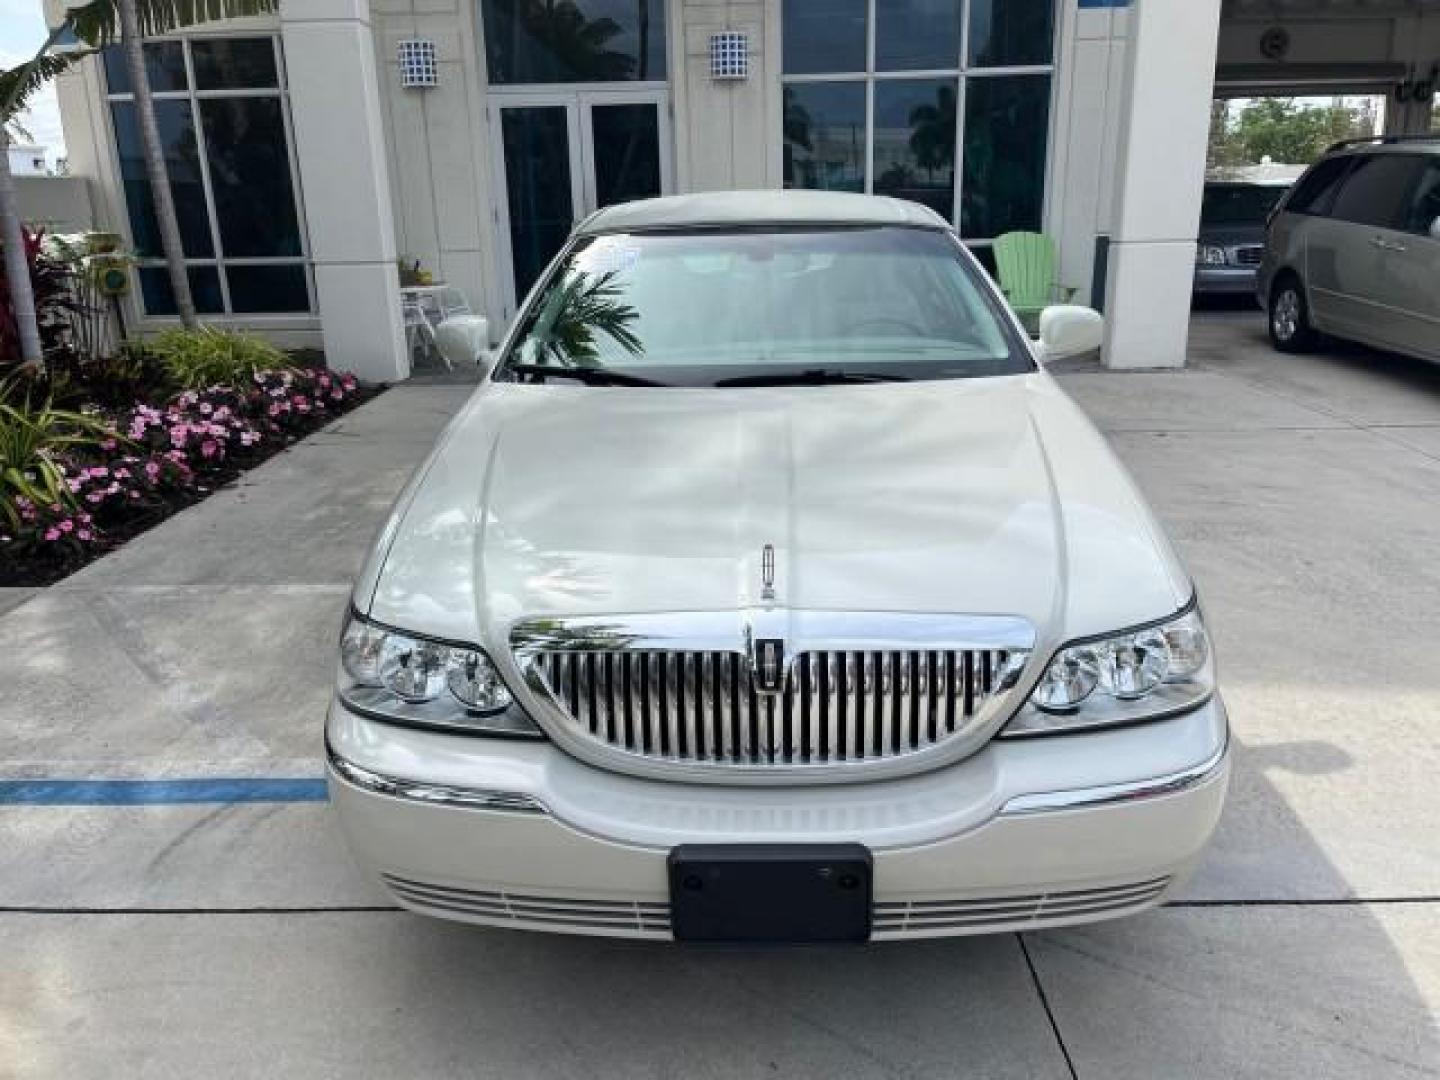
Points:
(195, 359)
(32, 441)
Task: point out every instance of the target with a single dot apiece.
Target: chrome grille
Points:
(838, 706)
(1249, 256)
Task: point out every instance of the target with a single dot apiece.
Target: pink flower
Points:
(95, 497)
(52, 534)
(66, 526)
(152, 470)
(84, 534)
(178, 434)
(209, 448)
(206, 408)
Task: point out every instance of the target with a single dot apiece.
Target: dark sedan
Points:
(1232, 235)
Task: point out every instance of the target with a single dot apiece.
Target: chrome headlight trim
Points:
(363, 690)
(513, 802)
(1101, 707)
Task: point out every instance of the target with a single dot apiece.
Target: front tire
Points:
(1289, 322)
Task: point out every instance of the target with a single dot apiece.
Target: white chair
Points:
(419, 334)
(464, 339)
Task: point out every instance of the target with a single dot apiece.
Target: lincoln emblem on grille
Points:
(768, 666)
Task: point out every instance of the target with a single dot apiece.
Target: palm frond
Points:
(98, 22)
(19, 84)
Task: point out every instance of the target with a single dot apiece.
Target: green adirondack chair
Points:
(1026, 264)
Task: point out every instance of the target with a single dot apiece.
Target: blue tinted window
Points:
(164, 67)
(250, 176)
(234, 63)
(557, 41)
(824, 36)
(160, 299)
(182, 165)
(825, 136)
(915, 141)
(1010, 33)
(912, 34)
(267, 288)
(1006, 127)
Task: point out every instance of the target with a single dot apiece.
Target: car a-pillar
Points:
(1160, 177)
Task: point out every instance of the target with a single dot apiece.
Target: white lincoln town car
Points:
(768, 589)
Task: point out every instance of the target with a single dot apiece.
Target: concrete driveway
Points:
(226, 937)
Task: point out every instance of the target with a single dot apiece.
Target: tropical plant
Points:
(32, 441)
(53, 303)
(100, 23)
(193, 359)
(565, 328)
(17, 85)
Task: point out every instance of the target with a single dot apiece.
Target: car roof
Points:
(746, 208)
(1412, 144)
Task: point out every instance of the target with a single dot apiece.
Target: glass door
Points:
(566, 154)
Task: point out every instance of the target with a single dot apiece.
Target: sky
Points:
(22, 31)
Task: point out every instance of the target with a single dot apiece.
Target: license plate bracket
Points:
(771, 893)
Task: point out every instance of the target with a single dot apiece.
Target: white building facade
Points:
(309, 152)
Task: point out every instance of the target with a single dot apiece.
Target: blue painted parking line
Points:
(159, 792)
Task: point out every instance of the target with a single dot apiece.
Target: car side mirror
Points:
(1070, 330)
(464, 340)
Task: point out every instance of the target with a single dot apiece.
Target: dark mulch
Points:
(39, 569)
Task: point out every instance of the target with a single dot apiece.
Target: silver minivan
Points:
(1354, 250)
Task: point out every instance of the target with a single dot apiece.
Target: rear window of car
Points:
(1238, 204)
(1315, 191)
(1377, 190)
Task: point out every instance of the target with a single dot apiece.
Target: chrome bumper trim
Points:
(512, 802)
(1130, 791)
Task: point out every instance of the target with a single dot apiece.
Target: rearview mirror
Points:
(1070, 330)
(464, 340)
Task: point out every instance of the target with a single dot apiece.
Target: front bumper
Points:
(1215, 280)
(1024, 834)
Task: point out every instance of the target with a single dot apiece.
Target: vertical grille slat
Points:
(842, 705)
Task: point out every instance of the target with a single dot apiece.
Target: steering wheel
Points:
(885, 320)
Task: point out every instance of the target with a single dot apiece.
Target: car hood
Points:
(982, 496)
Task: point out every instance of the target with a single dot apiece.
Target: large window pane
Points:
(233, 63)
(267, 288)
(537, 183)
(182, 164)
(1011, 32)
(627, 152)
(164, 67)
(160, 298)
(544, 41)
(1006, 122)
(915, 142)
(913, 34)
(823, 36)
(825, 136)
(250, 176)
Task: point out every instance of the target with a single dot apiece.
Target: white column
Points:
(340, 144)
(1165, 121)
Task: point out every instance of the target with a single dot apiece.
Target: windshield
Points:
(704, 308)
(1239, 204)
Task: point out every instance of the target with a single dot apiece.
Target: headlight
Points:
(1210, 255)
(407, 679)
(1141, 674)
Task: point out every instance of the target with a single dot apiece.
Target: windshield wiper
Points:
(811, 376)
(589, 376)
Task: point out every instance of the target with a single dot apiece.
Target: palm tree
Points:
(100, 23)
(16, 88)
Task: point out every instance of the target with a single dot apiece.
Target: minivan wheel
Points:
(1290, 329)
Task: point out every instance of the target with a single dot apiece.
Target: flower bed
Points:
(147, 460)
